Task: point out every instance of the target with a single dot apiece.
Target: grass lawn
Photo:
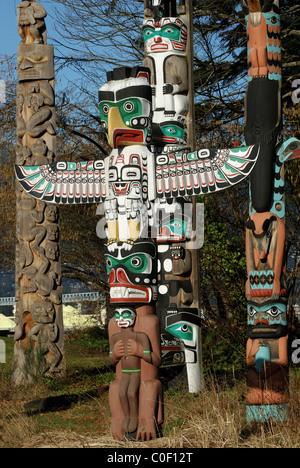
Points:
(74, 412)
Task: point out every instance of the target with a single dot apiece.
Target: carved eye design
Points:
(128, 106)
(274, 312)
(251, 312)
(136, 262)
(105, 109)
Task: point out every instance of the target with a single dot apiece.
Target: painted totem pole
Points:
(137, 180)
(267, 351)
(167, 33)
(39, 340)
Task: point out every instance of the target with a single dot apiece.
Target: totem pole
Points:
(133, 183)
(267, 350)
(39, 337)
(167, 32)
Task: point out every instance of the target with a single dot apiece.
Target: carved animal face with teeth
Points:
(132, 273)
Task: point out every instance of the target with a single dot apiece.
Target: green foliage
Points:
(222, 263)
(222, 285)
(223, 348)
(95, 338)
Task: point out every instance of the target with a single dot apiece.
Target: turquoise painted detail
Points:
(264, 275)
(274, 76)
(182, 330)
(263, 355)
(270, 19)
(280, 152)
(274, 313)
(263, 413)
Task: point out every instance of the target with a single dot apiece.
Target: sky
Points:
(9, 38)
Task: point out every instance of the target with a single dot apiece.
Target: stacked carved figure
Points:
(266, 291)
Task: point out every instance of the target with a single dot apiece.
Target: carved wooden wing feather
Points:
(204, 171)
(65, 182)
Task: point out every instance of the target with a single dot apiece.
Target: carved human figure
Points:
(40, 153)
(30, 18)
(165, 45)
(29, 229)
(20, 122)
(129, 347)
(263, 23)
(45, 335)
(37, 102)
(150, 393)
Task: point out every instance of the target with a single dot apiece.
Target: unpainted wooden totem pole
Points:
(149, 170)
(266, 292)
(39, 337)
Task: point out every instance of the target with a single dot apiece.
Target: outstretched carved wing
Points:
(204, 171)
(65, 182)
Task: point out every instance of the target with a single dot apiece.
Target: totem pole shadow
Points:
(60, 402)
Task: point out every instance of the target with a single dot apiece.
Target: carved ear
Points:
(250, 225)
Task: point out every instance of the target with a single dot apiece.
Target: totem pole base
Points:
(264, 413)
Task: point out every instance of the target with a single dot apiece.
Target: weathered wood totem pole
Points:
(267, 350)
(143, 185)
(39, 337)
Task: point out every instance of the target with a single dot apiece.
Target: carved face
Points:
(125, 318)
(51, 213)
(268, 317)
(183, 324)
(126, 111)
(132, 273)
(173, 227)
(169, 35)
(127, 175)
(35, 62)
(43, 312)
(170, 131)
(52, 251)
(53, 233)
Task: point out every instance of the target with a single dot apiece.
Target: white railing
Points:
(66, 298)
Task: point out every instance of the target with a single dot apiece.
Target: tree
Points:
(7, 191)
